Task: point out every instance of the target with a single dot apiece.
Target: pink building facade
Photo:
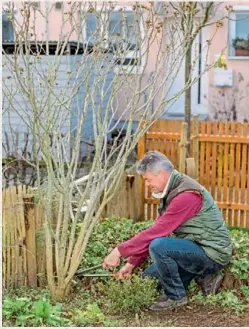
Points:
(222, 94)
(228, 90)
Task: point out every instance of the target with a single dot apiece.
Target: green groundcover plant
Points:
(124, 296)
(240, 263)
(106, 235)
(24, 312)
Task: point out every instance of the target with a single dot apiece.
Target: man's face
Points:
(158, 182)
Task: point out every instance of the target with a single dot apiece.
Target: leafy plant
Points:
(45, 313)
(124, 296)
(31, 293)
(106, 235)
(18, 309)
(241, 43)
(240, 267)
(245, 291)
(226, 299)
(230, 300)
(240, 240)
(92, 316)
(24, 312)
(240, 263)
(193, 288)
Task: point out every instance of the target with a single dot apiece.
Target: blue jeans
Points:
(176, 263)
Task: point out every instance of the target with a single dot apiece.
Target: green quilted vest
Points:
(207, 228)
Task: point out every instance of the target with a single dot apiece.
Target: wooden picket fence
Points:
(23, 246)
(221, 153)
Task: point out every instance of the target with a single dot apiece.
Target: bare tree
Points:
(109, 58)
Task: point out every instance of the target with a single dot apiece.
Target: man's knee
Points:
(155, 247)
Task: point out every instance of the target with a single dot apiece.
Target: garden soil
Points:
(192, 316)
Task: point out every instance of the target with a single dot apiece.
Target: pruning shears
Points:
(85, 272)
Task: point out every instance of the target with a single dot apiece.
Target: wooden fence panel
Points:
(127, 202)
(223, 164)
(244, 172)
(14, 237)
(20, 261)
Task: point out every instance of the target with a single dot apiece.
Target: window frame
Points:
(119, 68)
(232, 31)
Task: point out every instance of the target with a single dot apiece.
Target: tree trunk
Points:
(187, 109)
(60, 292)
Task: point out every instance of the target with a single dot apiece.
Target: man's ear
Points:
(164, 173)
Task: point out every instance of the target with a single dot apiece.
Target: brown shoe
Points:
(167, 304)
(210, 284)
(163, 297)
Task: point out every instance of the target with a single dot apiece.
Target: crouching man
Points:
(201, 245)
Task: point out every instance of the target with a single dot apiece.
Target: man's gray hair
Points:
(154, 162)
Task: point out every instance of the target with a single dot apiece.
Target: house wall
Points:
(141, 81)
(176, 110)
(224, 98)
(99, 86)
(18, 113)
(14, 120)
(53, 32)
(212, 97)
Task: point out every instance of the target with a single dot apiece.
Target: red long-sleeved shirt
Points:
(182, 208)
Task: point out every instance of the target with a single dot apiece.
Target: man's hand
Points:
(125, 272)
(112, 260)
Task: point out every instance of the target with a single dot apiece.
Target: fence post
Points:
(183, 148)
(141, 152)
(40, 243)
(196, 144)
(29, 211)
(135, 199)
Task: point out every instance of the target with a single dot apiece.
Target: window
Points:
(33, 4)
(7, 28)
(58, 5)
(122, 36)
(239, 32)
(125, 38)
